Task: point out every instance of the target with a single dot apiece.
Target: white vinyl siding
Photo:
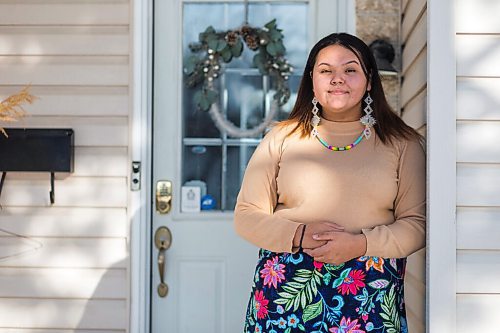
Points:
(478, 165)
(67, 270)
(413, 112)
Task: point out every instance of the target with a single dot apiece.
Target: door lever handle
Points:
(162, 287)
(163, 241)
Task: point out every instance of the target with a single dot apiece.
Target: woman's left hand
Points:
(340, 247)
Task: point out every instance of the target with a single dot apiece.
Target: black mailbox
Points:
(37, 150)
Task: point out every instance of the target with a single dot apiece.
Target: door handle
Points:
(163, 241)
(163, 196)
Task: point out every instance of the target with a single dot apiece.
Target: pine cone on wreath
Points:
(246, 30)
(252, 42)
(231, 38)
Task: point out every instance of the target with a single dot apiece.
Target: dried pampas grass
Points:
(11, 108)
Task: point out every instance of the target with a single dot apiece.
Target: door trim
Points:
(140, 126)
(322, 12)
(441, 167)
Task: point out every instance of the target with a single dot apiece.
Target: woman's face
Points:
(339, 83)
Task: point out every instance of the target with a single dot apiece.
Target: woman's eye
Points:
(324, 71)
(350, 70)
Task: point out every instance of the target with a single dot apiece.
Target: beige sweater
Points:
(374, 188)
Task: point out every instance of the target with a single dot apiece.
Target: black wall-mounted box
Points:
(37, 150)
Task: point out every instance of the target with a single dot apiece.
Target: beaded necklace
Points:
(335, 148)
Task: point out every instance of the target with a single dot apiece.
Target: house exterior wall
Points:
(478, 165)
(65, 267)
(413, 112)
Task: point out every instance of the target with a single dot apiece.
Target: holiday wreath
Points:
(222, 47)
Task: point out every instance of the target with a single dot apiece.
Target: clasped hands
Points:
(329, 243)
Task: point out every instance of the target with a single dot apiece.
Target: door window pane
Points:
(245, 95)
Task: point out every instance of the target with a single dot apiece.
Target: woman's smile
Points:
(337, 92)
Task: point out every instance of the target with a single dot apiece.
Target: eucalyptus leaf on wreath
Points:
(204, 65)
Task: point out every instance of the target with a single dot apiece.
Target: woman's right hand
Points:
(315, 228)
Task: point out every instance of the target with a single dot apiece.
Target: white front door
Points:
(208, 268)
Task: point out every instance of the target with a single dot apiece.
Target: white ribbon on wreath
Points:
(226, 126)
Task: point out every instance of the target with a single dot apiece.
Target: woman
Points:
(335, 197)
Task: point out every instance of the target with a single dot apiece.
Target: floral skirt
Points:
(294, 293)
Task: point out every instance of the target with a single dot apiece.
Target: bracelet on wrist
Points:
(302, 238)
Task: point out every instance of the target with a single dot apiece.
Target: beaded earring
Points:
(315, 119)
(368, 119)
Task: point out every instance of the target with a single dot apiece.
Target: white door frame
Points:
(441, 167)
(140, 143)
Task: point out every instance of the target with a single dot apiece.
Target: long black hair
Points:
(389, 125)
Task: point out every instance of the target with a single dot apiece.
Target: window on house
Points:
(210, 158)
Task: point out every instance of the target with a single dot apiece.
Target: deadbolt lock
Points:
(163, 196)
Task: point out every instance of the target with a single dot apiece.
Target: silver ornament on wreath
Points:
(217, 48)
